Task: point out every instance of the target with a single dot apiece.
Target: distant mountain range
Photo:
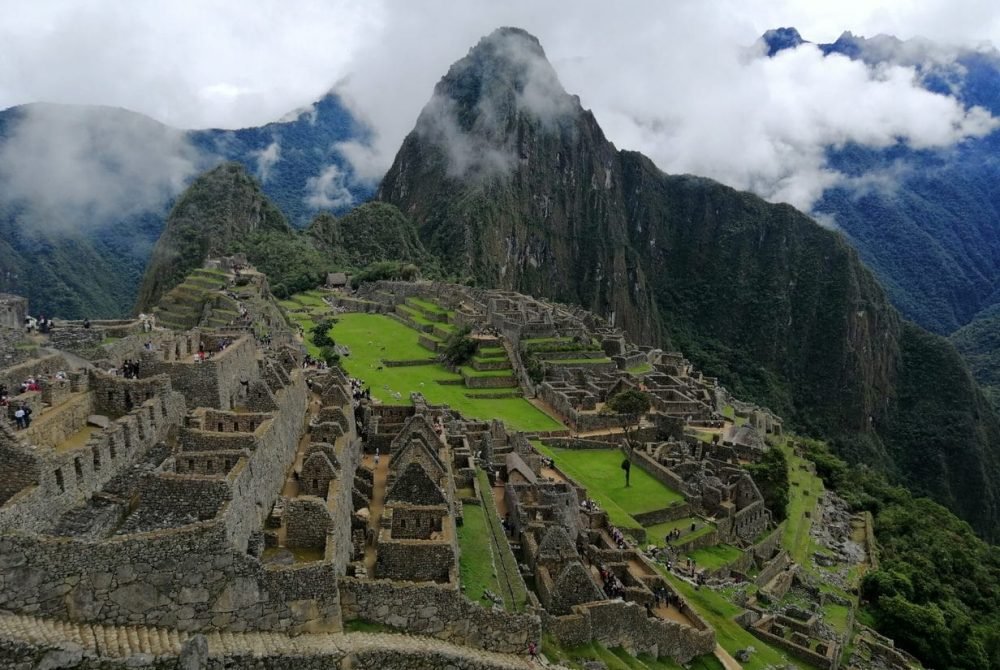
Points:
(84, 191)
(931, 229)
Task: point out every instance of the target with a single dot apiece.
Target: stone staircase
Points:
(122, 642)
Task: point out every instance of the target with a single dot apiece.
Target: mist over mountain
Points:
(84, 191)
(924, 219)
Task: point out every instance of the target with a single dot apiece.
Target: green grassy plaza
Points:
(373, 338)
(599, 470)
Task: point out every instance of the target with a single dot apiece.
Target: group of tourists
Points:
(613, 587)
(129, 369)
(618, 537)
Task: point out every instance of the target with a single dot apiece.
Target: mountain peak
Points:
(779, 39)
(504, 88)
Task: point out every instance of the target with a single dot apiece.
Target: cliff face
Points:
(511, 182)
(220, 207)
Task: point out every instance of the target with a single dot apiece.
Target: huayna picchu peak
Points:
(536, 402)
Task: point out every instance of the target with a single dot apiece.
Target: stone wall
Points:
(216, 382)
(184, 578)
(307, 523)
(60, 480)
(415, 560)
(615, 623)
(438, 610)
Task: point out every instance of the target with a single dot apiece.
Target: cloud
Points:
(74, 167)
(673, 80)
(266, 159)
(328, 189)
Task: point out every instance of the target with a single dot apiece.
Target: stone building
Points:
(13, 310)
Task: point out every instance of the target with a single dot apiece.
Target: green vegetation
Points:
(385, 270)
(289, 260)
(373, 338)
(629, 405)
(221, 208)
(477, 566)
(617, 658)
(937, 589)
(979, 344)
(459, 347)
(640, 369)
(512, 586)
(599, 470)
(719, 613)
(771, 477)
(714, 557)
(371, 233)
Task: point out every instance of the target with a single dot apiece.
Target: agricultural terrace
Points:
(374, 339)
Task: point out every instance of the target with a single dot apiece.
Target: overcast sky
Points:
(668, 78)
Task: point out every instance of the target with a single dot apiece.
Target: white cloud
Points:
(328, 189)
(84, 166)
(670, 79)
(266, 159)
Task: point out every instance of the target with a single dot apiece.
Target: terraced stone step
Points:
(120, 642)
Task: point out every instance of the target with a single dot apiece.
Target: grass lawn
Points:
(599, 470)
(804, 491)
(719, 612)
(640, 369)
(428, 305)
(715, 557)
(373, 338)
(472, 372)
(656, 533)
(476, 568)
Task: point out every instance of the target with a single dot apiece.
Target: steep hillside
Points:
(373, 232)
(924, 220)
(979, 344)
(509, 179)
(85, 191)
(219, 208)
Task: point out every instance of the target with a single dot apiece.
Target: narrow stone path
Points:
(728, 662)
(376, 505)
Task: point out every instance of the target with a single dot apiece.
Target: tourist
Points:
(533, 650)
(19, 418)
(376, 456)
(86, 323)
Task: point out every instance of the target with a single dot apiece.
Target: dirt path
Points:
(376, 505)
(728, 662)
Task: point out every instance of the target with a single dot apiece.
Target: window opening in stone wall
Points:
(190, 464)
(111, 450)
(59, 481)
(78, 466)
(97, 459)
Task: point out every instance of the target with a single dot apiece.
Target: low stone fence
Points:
(413, 362)
(505, 381)
(676, 511)
(658, 472)
(615, 623)
(438, 610)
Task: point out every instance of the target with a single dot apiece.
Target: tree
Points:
(629, 405)
(321, 333)
(459, 347)
(771, 477)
